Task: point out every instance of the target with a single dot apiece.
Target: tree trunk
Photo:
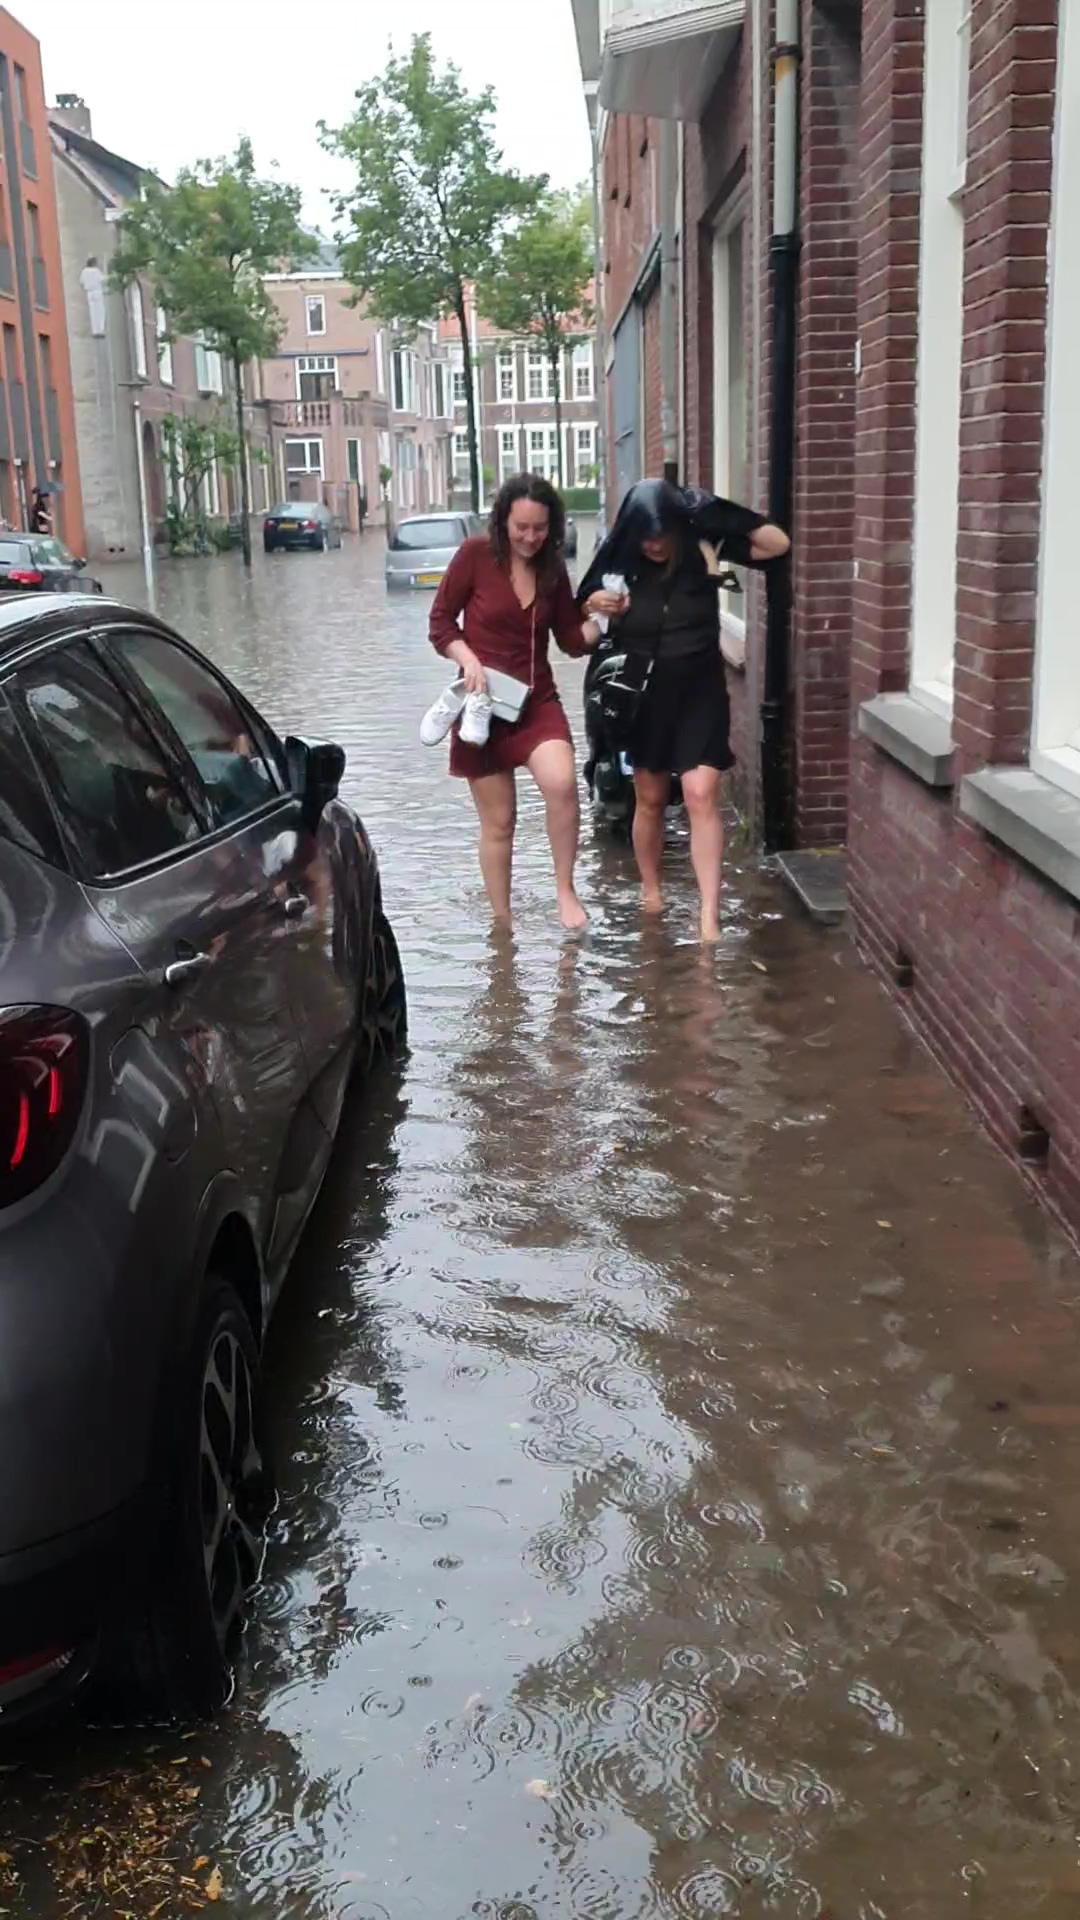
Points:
(470, 401)
(241, 434)
(555, 358)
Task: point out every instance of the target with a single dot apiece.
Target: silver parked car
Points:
(194, 958)
(422, 548)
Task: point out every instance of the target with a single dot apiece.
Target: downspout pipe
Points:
(600, 348)
(669, 297)
(776, 781)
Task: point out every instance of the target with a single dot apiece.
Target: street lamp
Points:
(135, 388)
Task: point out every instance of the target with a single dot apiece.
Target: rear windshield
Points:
(296, 510)
(414, 535)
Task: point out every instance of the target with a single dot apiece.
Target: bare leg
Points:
(701, 792)
(495, 799)
(653, 791)
(552, 767)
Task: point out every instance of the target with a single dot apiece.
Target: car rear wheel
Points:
(268, 546)
(384, 1018)
(210, 1547)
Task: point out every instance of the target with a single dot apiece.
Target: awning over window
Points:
(664, 57)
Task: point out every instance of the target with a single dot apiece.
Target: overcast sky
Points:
(166, 85)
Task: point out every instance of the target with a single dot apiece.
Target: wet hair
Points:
(530, 486)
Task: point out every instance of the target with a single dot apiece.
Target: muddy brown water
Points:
(677, 1416)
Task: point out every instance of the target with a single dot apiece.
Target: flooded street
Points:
(676, 1407)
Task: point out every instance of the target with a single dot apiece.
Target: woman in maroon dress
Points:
(511, 586)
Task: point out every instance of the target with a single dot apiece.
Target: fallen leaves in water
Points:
(540, 1789)
(122, 1848)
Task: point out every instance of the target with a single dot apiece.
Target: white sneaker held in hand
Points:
(476, 720)
(439, 719)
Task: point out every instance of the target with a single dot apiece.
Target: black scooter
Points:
(609, 771)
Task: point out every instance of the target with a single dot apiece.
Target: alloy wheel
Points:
(232, 1484)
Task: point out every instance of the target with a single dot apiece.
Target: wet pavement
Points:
(677, 1413)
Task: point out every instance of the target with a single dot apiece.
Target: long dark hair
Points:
(530, 486)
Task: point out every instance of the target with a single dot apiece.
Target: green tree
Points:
(536, 284)
(192, 447)
(204, 246)
(431, 199)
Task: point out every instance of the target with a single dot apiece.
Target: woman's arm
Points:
(769, 542)
(572, 635)
(455, 590)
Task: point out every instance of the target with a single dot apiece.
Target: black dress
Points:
(685, 717)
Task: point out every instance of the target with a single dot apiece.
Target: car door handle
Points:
(295, 905)
(188, 967)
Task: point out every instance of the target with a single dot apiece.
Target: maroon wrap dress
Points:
(500, 632)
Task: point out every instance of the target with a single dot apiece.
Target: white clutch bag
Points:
(508, 696)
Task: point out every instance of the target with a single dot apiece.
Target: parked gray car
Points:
(194, 960)
(422, 548)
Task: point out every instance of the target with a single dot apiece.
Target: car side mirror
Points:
(315, 776)
(79, 565)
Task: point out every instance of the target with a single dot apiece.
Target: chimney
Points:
(72, 111)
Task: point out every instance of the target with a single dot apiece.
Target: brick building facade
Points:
(37, 423)
(352, 401)
(933, 694)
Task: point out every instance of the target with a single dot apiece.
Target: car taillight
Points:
(25, 576)
(43, 1062)
(307, 526)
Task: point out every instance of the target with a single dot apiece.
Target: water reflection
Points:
(675, 1408)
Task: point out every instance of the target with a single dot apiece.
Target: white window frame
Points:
(208, 368)
(509, 452)
(583, 360)
(164, 347)
(461, 448)
(938, 361)
(459, 390)
(212, 491)
(357, 478)
(307, 441)
(536, 361)
(380, 368)
(1055, 731)
(506, 362)
(403, 363)
(138, 331)
(311, 301)
(962, 83)
(543, 459)
(582, 430)
(317, 363)
(732, 606)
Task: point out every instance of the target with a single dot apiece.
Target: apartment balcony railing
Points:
(339, 409)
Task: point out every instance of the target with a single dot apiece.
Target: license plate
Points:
(428, 579)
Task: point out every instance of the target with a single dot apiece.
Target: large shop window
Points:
(941, 339)
(1056, 729)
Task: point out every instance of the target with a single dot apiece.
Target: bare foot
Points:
(710, 930)
(571, 913)
(652, 900)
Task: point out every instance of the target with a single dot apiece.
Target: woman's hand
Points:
(609, 605)
(472, 671)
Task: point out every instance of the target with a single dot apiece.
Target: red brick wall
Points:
(652, 444)
(995, 949)
(825, 466)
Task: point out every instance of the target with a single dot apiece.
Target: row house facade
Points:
(520, 429)
(38, 445)
(841, 279)
(361, 413)
(128, 375)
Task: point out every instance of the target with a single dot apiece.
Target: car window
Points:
(221, 739)
(12, 553)
(25, 814)
(107, 774)
(51, 553)
(415, 535)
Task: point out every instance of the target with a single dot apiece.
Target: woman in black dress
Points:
(668, 544)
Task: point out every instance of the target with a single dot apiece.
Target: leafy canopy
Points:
(204, 245)
(538, 281)
(431, 196)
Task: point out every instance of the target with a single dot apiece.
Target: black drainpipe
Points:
(776, 782)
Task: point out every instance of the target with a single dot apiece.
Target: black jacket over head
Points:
(653, 508)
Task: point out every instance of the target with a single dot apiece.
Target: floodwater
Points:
(677, 1414)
